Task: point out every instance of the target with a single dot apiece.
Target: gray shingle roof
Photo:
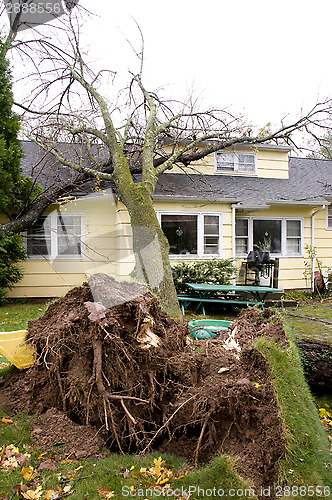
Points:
(310, 181)
(47, 171)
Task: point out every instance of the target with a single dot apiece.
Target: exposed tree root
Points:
(127, 371)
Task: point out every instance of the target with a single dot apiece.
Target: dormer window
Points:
(235, 162)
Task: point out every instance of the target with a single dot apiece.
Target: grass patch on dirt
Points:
(5, 367)
(117, 476)
(305, 464)
(15, 315)
(324, 401)
(307, 460)
(311, 319)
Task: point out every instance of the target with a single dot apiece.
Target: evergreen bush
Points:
(15, 191)
(214, 272)
(11, 252)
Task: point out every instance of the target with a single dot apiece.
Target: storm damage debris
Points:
(125, 368)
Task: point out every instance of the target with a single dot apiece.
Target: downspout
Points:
(312, 247)
(233, 245)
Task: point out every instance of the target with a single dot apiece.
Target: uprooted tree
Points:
(126, 369)
(137, 133)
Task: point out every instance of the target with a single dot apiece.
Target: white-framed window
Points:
(293, 237)
(242, 236)
(329, 217)
(238, 162)
(55, 235)
(279, 236)
(192, 234)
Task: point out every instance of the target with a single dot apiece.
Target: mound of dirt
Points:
(127, 369)
(55, 431)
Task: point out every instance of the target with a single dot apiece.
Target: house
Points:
(226, 204)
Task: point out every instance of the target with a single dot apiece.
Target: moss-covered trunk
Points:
(150, 247)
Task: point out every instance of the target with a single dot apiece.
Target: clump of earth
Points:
(115, 369)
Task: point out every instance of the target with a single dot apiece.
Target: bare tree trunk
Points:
(151, 248)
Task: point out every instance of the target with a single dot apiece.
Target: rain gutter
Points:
(194, 199)
(233, 244)
(312, 247)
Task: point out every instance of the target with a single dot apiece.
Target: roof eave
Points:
(193, 199)
(303, 203)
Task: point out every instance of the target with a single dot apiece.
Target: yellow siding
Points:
(109, 246)
(323, 240)
(53, 278)
(270, 164)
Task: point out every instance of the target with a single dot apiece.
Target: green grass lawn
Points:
(306, 462)
(15, 315)
(115, 475)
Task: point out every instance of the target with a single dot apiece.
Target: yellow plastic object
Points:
(12, 346)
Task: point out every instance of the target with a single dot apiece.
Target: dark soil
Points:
(54, 431)
(98, 370)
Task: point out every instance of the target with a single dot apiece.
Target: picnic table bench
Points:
(225, 294)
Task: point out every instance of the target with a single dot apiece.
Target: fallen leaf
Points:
(50, 495)
(33, 494)
(105, 492)
(7, 421)
(157, 462)
(67, 489)
(47, 464)
(22, 460)
(27, 473)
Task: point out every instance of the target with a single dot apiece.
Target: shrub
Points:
(216, 271)
(11, 253)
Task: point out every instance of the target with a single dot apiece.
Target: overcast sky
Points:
(267, 59)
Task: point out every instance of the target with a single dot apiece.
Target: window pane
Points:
(241, 246)
(69, 235)
(211, 224)
(246, 163)
(181, 232)
(241, 227)
(267, 235)
(293, 246)
(38, 238)
(211, 245)
(294, 228)
(69, 245)
(211, 227)
(225, 161)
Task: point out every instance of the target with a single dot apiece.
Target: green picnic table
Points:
(226, 294)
